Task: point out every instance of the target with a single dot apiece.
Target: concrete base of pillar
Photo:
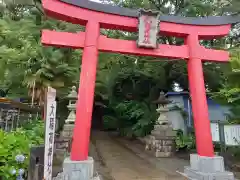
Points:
(77, 170)
(207, 168)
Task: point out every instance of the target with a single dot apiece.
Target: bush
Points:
(184, 141)
(131, 118)
(15, 149)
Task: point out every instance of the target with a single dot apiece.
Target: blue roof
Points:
(184, 93)
(177, 93)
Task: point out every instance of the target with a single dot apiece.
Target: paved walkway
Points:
(124, 164)
(170, 165)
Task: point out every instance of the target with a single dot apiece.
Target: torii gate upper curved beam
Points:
(114, 17)
(109, 9)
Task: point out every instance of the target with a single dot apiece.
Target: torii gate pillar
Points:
(198, 98)
(80, 145)
(204, 165)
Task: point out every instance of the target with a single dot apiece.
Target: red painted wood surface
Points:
(76, 15)
(81, 133)
(76, 41)
(91, 41)
(198, 98)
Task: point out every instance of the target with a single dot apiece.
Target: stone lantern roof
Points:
(73, 94)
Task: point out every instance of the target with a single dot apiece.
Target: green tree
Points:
(27, 66)
(230, 93)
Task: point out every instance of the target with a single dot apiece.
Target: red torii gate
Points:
(95, 16)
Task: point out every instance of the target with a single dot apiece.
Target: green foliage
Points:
(35, 132)
(230, 93)
(27, 67)
(235, 152)
(127, 109)
(16, 143)
(131, 118)
(185, 141)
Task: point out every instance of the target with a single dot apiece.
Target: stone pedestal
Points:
(64, 142)
(67, 131)
(207, 168)
(161, 141)
(77, 170)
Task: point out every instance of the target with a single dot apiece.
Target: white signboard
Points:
(49, 133)
(215, 132)
(232, 135)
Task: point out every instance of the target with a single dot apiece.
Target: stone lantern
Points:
(72, 97)
(162, 109)
(162, 138)
(68, 127)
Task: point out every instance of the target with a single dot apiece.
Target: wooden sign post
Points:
(49, 132)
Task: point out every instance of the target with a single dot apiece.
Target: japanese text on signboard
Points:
(49, 137)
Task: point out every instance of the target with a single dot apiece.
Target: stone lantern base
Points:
(67, 131)
(161, 141)
(63, 143)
